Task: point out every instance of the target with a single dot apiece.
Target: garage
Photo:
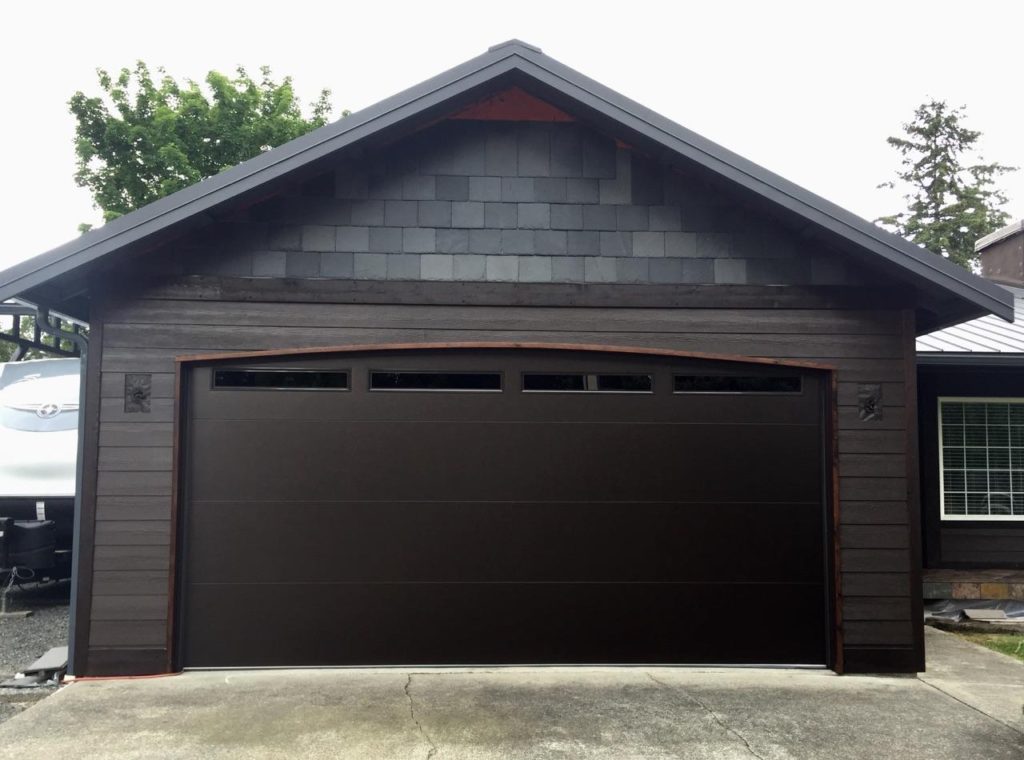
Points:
(503, 369)
(502, 505)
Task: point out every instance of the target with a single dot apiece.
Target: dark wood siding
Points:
(146, 332)
(963, 544)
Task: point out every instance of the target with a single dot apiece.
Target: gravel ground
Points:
(22, 640)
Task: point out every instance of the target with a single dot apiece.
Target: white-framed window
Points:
(981, 458)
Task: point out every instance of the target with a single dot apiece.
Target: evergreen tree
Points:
(951, 202)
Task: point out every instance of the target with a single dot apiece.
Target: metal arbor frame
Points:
(60, 327)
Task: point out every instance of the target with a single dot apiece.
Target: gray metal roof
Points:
(970, 295)
(987, 339)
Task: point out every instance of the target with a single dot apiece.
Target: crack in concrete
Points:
(419, 726)
(968, 704)
(714, 716)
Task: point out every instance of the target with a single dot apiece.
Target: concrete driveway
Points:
(970, 707)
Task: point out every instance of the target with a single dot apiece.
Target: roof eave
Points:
(969, 358)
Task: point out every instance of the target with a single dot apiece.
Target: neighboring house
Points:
(503, 369)
(971, 402)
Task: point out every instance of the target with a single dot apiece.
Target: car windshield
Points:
(13, 372)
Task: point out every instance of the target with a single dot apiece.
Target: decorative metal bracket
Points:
(869, 402)
(138, 390)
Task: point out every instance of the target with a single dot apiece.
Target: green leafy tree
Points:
(25, 324)
(143, 139)
(951, 202)
(6, 348)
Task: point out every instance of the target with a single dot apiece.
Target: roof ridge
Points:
(515, 43)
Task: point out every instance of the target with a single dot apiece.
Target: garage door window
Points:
(981, 458)
(280, 379)
(584, 382)
(736, 384)
(391, 380)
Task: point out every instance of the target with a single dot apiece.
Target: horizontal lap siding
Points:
(128, 559)
(127, 632)
(986, 548)
(875, 536)
(132, 533)
(868, 633)
(215, 338)
(820, 321)
(135, 454)
(133, 507)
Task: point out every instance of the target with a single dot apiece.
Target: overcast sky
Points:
(808, 90)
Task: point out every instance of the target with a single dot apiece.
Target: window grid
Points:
(981, 458)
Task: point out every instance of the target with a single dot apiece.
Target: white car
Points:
(38, 428)
(38, 452)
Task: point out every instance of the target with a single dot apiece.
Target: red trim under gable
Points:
(513, 104)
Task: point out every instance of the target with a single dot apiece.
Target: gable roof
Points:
(954, 293)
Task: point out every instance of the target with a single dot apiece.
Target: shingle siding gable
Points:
(534, 192)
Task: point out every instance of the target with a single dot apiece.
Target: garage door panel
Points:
(358, 404)
(664, 406)
(453, 461)
(439, 624)
(503, 542)
(365, 527)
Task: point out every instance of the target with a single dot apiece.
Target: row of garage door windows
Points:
(531, 382)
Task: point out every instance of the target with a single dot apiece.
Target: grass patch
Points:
(1005, 643)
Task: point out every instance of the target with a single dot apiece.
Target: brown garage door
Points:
(502, 506)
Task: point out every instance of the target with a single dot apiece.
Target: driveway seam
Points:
(968, 704)
(714, 716)
(419, 726)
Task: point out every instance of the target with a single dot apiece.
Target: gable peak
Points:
(514, 43)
